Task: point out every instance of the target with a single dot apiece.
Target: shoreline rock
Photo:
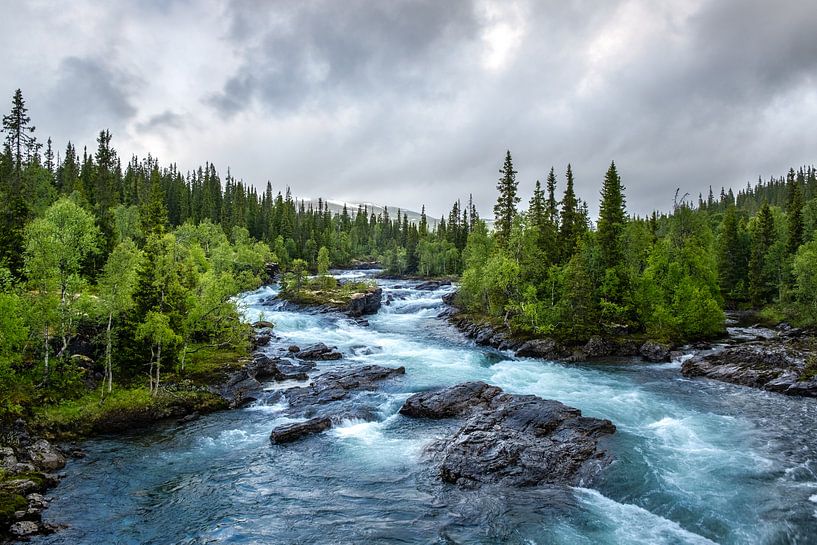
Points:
(780, 365)
(596, 348)
(509, 439)
(298, 430)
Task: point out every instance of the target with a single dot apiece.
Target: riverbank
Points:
(35, 448)
(499, 336)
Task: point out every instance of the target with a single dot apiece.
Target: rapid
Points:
(697, 461)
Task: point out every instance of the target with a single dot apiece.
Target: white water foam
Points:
(632, 524)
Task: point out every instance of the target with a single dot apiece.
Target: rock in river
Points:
(365, 303)
(319, 352)
(518, 440)
(292, 432)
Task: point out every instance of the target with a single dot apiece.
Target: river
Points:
(697, 461)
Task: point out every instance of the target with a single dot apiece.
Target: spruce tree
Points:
(552, 204)
(570, 219)
(505, 208)
(537, 208)
(794, 213)
(761, 285)
(612, 219)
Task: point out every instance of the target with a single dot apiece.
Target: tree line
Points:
(546, 270)
(137, 264)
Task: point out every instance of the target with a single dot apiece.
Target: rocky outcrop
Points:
(318, 352)
(780, 366)
(27, 465)
(334, 386)
(450, 402)
(292, 432)
(597, 347)
(484, 334)
(517, 440)
(365, 303)
(431, 285)
(244, 386)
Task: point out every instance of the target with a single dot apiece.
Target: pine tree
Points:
(552, 204)
(761, 285)
(612, 219)
(570, 220)
(537, 208)
(794, 214)
(505, 208)
(19, 136)
(732, 258)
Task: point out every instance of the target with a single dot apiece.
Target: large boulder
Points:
(292, 432)
(515, 440)
(598, 347)
(365, 303)
(450, 402)
(45, 456)
(655, 352)
(547, 349)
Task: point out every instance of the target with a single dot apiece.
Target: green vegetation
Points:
(545, 271)
(322, 290)
(116, 280)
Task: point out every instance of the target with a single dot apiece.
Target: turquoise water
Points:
(696, 461)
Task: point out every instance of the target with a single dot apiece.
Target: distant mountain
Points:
(337, 207)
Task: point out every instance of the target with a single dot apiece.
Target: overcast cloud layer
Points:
(404, 103)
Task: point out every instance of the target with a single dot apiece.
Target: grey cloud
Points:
(90, 95)
(391, 102)
(328, 53)
(162, 121)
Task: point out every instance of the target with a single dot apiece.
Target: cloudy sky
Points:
(410, 102)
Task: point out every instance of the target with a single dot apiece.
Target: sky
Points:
(415, 102)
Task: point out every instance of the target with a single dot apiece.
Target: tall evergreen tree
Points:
(505, 208)
(795, 213)
(761, 283)
(612, 219)
(570, 220)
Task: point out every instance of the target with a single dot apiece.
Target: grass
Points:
(131, 405)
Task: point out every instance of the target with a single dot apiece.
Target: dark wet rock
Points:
(294, 348)
(262, 339)
(655, 352)
(365, 303)
(547, 349)
(775, 365)
(450, 402)
(598, 347)
(432, 285)
(319, 352)
(45, 456)
(189, 418)
(263, 324)
(292, 432)
(449, 298)
(336, 385)
(24, 528)
(8, 460)
(240, 388)
(517, 440)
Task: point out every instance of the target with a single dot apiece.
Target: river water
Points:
(697, 461)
